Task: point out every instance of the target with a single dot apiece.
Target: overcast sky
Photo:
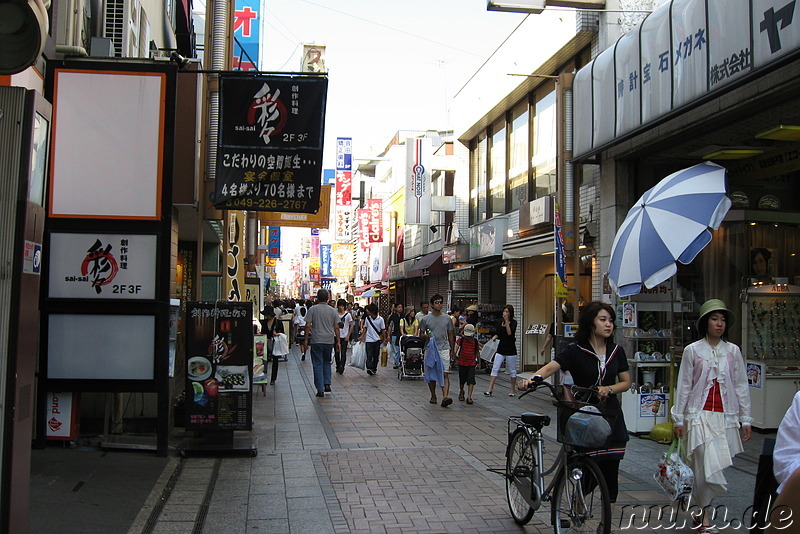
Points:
(392, 65)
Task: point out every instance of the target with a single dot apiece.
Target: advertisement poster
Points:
(653, 405)
(219, 365)
(269, 155)
(629, 315)
(375, 207)
(755, 375)
(259, 359)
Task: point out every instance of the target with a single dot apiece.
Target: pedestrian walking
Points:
(322, 323)
(423, 310)
(468, 352)
(506, 350)
(395, 332)
(786, 458)
(272, 328)
(345, 329)
(299, 322)
(595, 360)
(439, 326)
(373, 330)
(712, 400)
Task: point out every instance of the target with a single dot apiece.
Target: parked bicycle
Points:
(577, 491)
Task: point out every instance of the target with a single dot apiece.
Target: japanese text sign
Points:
(274, 246)
(269, 154)
(246, 31)
(363, 227)
(325, 260)
(344, 223)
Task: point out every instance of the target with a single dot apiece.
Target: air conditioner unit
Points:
(121, 25)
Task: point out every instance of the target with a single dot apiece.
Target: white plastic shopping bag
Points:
(489, 349)
(281, 345)
(358, 358)
(673, 475)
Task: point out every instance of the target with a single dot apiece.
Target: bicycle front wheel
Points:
(581, 502)
(520, 466)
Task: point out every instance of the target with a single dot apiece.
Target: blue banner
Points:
(561, 259)
(325, 260)
(246, 34)
(344, 153)
(274, 250)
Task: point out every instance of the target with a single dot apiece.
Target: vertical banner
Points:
(375, 207)
(344, 171)
(274, 247)
(269, 153)
(246, 33)
(363, 228)
(219, 341)
(314, 275)
(325, 260)
(314, 247)
(419, 155)
(342, 260)
(234, 256)
(344, 223)
(561, 260)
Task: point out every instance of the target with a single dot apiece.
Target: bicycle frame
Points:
(535, 440)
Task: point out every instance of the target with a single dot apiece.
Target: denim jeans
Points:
(341, 355)
(396, 350)
(373, 353)
(321, 362)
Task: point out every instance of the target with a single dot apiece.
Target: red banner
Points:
(375, 206)
(363, 228)
(344, 188)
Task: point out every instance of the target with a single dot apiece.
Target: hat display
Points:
(472, 307)
(469, 329)
(712, 305)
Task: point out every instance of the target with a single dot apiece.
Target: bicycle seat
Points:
(535, 419)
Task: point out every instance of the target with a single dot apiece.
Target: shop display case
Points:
(771, 348)
(648, 340)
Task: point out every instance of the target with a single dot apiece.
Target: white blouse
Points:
(701, 364)
(786, 456)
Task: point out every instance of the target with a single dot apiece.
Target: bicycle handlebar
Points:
(536, 384)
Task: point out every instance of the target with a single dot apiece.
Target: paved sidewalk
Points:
(376, 456)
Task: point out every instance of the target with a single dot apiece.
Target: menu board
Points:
(219, 365)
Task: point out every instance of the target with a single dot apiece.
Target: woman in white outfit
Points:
(712, 401)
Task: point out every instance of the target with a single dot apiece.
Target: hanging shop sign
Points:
(419, 156)
(342, 260)
(455, 253)
(269, 156)
(344, 171)
(319, 219)
(343, 224)
(234, 254)
(375, 207)
(313, 58)
(274, 250)
(682, 51)
(246, 34)
(364, 220)
(219, 365)
(561, 258)
(325, 260)
(488, 238)
(103, 266)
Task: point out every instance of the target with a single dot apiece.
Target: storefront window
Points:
(477, 193)
(497, 185)
(741, 256)
(518, 156)
(543, 160)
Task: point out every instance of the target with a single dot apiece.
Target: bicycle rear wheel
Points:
(520, 466)
(581, 502)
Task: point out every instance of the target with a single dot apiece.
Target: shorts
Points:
(466, 374)
(511, 364)
(445, 355)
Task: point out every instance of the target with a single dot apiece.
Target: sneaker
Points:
(396, 367)
(447, 402)
(327, 388)
(370, 372)
(303, 358)
(320, 394)
(487, 393)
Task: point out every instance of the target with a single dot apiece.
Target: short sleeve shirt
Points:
(322, 318)
(440, 328)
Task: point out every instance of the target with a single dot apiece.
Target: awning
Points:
(426, 261)
(460, 273)
(537, 245)
(361, 289)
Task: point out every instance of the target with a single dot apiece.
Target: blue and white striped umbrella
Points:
(669, 223)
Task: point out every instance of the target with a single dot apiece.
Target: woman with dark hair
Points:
(712, 400)
(271, 327)
(595, 360)
(759, 262)
(506, 350)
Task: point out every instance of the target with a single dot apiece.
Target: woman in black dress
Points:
(595, 360)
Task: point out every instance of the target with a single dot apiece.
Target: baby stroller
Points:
(412, 357)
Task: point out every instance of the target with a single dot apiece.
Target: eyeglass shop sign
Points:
(269, 154)
(682, 51)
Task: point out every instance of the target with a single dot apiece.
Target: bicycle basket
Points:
(582, 424)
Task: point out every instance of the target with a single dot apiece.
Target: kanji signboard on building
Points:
(269, 154)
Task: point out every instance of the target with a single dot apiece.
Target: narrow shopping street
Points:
(372, 456)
